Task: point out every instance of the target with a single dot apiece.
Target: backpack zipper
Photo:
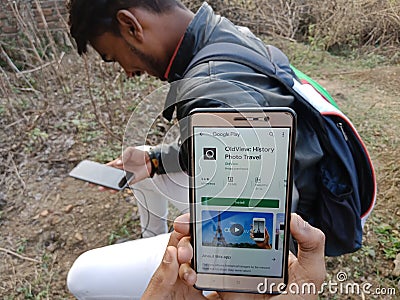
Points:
(340, 126)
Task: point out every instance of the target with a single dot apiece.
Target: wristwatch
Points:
(154, 162)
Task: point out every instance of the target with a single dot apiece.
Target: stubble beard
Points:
(153, 64)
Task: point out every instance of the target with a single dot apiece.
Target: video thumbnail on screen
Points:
(237, 229)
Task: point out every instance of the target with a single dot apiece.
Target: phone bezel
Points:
(242, 117)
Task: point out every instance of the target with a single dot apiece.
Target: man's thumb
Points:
(311, 240)
(165, 277)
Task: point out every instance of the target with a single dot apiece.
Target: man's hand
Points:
(135, 161)
(307, 268)
(166, 282)
(174, 278)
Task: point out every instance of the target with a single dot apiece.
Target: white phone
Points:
(240, 171)
(259, 229)
(102, 175)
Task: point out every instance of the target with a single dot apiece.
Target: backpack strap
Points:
(276, 65)
(307, 79)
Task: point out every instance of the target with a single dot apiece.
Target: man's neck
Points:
(174, 26)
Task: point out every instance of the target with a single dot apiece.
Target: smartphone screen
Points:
(259, 229)
(240, 196)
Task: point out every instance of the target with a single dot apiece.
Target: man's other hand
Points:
(133, 160)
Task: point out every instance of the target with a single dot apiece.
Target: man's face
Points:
(114, 48)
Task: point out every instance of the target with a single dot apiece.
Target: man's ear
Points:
(129, 26)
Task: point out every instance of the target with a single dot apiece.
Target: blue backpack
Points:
(347, 178)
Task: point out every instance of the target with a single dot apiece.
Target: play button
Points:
(236, 229)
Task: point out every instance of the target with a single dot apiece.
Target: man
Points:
(161, 38)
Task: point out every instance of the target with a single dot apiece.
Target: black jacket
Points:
(227, 84)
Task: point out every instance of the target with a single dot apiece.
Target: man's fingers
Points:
(182, 224)
(181, 229)
(187, 274)
(164, 279)
(116, 163)
(185, 250)
(167, 272)
(214, 296)
(311, 241)
(104, 189)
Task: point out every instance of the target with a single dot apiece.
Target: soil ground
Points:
(47, 219)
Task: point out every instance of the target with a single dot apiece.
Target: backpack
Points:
(346, 177)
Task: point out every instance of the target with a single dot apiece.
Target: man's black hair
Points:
(91, 18)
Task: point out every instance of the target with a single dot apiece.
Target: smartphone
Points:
(259, 229)
(240, 171)
(102, 174)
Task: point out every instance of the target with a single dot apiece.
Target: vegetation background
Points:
(57, 108)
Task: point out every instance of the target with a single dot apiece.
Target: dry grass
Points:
(51, 107)
(372, 24)
(337, 25)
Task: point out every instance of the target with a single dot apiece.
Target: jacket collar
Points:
(197, 35)
(195, 38)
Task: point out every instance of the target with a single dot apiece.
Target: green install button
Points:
(243, 202)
